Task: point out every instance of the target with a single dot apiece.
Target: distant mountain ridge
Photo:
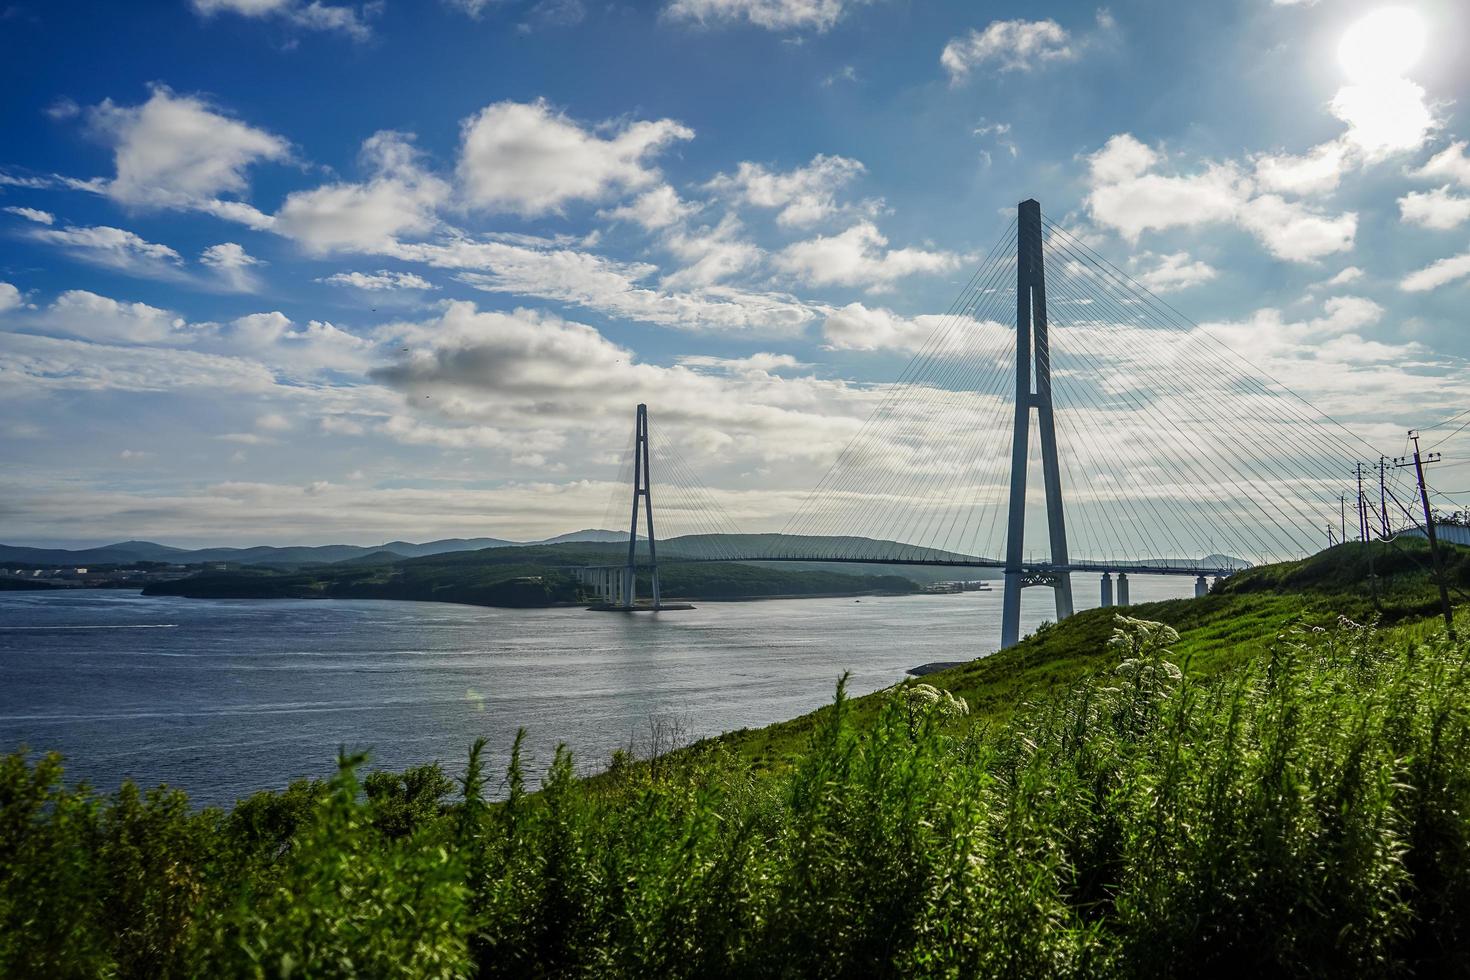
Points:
(126, 552)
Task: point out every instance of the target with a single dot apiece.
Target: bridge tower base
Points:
(1033, 363)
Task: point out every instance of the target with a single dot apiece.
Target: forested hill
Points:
(518, 577)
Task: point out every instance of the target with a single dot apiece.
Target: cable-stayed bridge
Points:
(1158, 449)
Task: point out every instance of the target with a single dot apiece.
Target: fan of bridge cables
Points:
(688, 520)
(1171, 444)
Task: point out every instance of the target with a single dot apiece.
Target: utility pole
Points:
(1418, 464)
(1362, 516)
(1342, 516)
(1383, 496)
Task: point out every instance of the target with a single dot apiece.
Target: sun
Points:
(1383, 44)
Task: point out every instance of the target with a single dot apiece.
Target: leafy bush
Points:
(1304, 814)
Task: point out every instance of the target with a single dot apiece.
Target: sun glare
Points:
(1383, 44)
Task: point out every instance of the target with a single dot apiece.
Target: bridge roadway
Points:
(1130, 568)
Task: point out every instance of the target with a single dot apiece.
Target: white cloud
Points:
(524, 379)
(773, 15)
(1349, 275)
(83, 314)
(857, 257)
(1440, 208)
(566, 275)
(299, 351)
(857, 327)
(10, 298)
(1175, 272)
(383, 279)
(400, 199)
(1318, 171)
(1452, 163)
(33, 214)
(653, 209)
(530, 159)
(1129, 196)
(1384, 117)
(1440, 273)
(114, 248)
(1126, 196)
(273, 422)
(1008, 45)
(179, 151)
(33, 363)
(233, 266)
(711, 254)
(472, 7)
(311, 15)
(804, 195)
(1290, 230)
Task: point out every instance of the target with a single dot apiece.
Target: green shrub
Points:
(1305, 814)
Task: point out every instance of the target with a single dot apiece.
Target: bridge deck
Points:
(1029, 569)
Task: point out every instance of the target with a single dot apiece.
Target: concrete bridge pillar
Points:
(1107, 590)
(1216, 582)
(1122, 588)
(1201, 587)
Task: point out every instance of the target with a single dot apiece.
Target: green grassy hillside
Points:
(1250, 784)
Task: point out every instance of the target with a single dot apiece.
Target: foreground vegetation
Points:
(1151, 805)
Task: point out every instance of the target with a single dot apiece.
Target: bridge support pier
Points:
(1123, 588)
(1033, 361)
(1201, 587)
(1107, 590)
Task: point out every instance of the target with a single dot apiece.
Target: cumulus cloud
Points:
(1440, 273)
(274, 340)
(113, 248)
(1349, 275)
(401, 198)
(1384, 117)
(1451, 163)
(33, 214)
(307, 14)
(858, 327)
(1170, 273)
(232, 266)
(566, 275)
(383, 279)
(859, 257)
(1007, 45)
(31, 363)
(1440, 208)
(1128, 195)
(179, 151)
(492, 373)
(530, 159)
(79, 313)
(1318, 171)
(10, 297)
(710, 254)
(653, 209)
(803, 196)
(773, 15)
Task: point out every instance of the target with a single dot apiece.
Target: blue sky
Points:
(286, 271)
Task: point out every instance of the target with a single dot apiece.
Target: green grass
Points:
(1236, 623)
(1270, 790)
